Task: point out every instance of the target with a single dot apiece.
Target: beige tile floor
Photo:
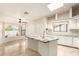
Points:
(67, 51)
(28, 52)
(13, 50)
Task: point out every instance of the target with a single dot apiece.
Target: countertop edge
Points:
(41, 40)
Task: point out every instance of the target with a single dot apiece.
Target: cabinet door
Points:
(78, 23)
(65, 41)
(33, 44)
(73, 24)
(68, 41)
(76, 42)
(43, 48)
(61, 40)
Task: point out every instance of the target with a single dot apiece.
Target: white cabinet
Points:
(76, 42)
(61, 40)
(44, 48)
(48, 48)
(65, 40)
(74, 23)
(78, 23)
(33, 44)
(68, 41)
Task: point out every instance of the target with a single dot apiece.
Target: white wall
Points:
(50, 22)
(29, 28)
(40, 26)
(36, 27)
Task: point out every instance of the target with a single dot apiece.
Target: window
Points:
(60, 27)
(56, 28)
(64, 27)
(11, 30)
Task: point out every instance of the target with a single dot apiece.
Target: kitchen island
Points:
(45, 46)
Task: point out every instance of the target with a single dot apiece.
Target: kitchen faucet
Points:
(45, 32)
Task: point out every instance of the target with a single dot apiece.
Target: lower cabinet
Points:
(76, 42)
(48, 49)
(44, 48)
(61, 40)
(33, 44)
(65, 40)
(69, 41)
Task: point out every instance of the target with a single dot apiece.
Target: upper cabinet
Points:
(78, 23)
(74, 24)
(75, 10)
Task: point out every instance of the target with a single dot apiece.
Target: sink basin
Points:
(47, 38)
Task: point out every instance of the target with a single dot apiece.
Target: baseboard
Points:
(68, 46)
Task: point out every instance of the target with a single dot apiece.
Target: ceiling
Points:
(62, 9)
(11, 12)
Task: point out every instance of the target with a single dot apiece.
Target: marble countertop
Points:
(45, 40)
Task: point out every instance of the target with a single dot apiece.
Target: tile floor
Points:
(62, 51)
(67, 51)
